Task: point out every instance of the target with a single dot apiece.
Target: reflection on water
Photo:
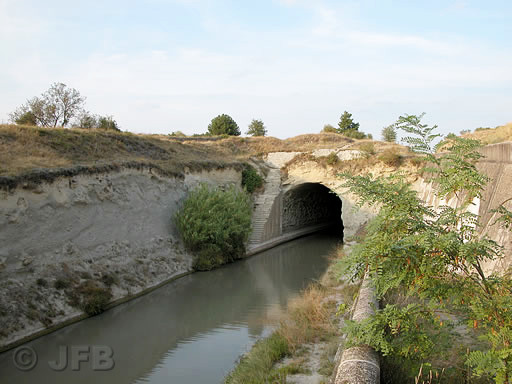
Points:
(189, 331)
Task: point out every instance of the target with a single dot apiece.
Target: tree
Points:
(433, 259)
(86, 120)
(256, 128)
(347, 123)
(26, 118)
(107, 122)
(389, 134)
(223, 125)
(55, 107)
(89, 121)
(328, 128)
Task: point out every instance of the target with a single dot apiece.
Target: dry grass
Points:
(492, 136)
(34, 154)
(261, 145)
(308, 318)
(24, 148)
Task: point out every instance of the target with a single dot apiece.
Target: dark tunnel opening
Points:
(311, 204)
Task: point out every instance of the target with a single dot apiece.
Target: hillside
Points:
(492, 135)
(33, 154)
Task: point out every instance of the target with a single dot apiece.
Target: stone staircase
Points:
(263, 205)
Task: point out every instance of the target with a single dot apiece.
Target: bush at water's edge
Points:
(215, 224)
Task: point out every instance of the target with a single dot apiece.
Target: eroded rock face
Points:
(111, 231)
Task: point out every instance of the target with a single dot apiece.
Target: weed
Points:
(256, 366)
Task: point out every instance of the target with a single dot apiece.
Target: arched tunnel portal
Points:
(311, 204)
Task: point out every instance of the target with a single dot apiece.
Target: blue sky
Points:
(165, 65)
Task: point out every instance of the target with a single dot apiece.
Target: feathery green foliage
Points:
(435, 258)
(215, 225)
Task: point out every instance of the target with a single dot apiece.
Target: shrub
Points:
(332, 158)
(215, 224)
(251, 180)
(109, 279)
(354, 134)
(328, 128)
(42, 282)
(61, 283)
(94, 298)
(391, 157)
(368, 149)
(177, 134)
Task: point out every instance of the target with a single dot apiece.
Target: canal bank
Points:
(210, 317)
(307, 343)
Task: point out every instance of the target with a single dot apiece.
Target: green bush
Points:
(332, 158)
(354, 134)
(223, 125)
(328, 128)
(215, 225)
(251, 180)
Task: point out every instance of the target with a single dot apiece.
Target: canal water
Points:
(192, 330)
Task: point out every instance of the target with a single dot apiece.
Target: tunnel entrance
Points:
(311, 204)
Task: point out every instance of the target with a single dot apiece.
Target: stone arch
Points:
(311, 204)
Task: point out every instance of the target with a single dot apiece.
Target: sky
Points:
(159, 66)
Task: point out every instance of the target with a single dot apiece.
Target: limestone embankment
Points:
(89, 240)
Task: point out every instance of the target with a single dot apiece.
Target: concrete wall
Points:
(274, 225)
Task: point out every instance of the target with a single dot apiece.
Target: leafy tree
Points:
(328, 128)
(389, 134)
(257, 128)
(434, 259)
(55, 107)
(223, 125)
(347, 123)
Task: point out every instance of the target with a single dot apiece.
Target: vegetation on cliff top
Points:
(434, 260)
